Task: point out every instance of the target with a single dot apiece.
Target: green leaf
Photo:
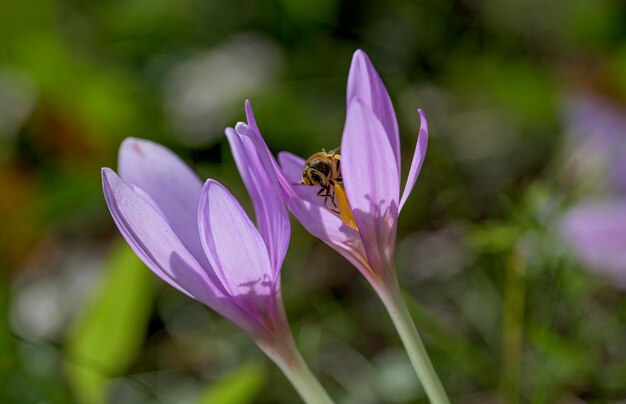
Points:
(110, 331)
(240, 386)
(494, 236)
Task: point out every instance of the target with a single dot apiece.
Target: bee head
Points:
(312, 177)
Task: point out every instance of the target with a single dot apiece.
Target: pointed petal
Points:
(286, 190)
(260, 179)
(171, 185)
(233, 245)
(418, 159)
(154, 241)
(250, 117)
(365, 83)
(371, 181)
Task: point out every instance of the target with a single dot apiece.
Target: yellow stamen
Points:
(344, 207)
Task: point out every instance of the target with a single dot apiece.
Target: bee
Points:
(323, 169)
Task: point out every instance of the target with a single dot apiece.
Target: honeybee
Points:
(323, 169)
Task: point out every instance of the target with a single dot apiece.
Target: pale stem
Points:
(392, 298)
(296, 370)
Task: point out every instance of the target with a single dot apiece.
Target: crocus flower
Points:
(595, 227)
(370, 168)
(200, 240)
(597, 232)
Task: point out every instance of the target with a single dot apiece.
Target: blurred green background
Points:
(507, 313)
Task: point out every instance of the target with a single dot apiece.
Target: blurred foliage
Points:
(239, 386)
(493, 77)
(111, 329)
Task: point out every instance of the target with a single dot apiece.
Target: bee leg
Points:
(325, 195)
(330, 207)
(330, 194)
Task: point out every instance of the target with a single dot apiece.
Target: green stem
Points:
(296, 370)
(513, 329)
(392, 298)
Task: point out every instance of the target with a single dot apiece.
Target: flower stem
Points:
(296, 370)
(392, 298)
(513, 329)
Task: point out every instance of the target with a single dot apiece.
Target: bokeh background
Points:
(526, 102)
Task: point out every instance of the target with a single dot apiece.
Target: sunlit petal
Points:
(365, 83)
(169, 183)
(233, 245)
(371, 181)
(154, 241)
(261, 183)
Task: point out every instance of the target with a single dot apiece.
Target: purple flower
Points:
(370, 167)
(597, 232)
(596, 228)
(199, 239)
(364, 231)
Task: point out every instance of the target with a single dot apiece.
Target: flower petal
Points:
(286, 189)
(233, 245)
(308, 208)
(292, 165)
(154, 241)
(260, 181)
(172, 186)
(371, 181)
(365, 83)
(329, 228)
(418, 159)
(250, 117)
(321, 222)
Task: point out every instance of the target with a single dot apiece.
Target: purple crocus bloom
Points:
(370, 169)
(595, 227)
(201, 241)
(597, 232)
